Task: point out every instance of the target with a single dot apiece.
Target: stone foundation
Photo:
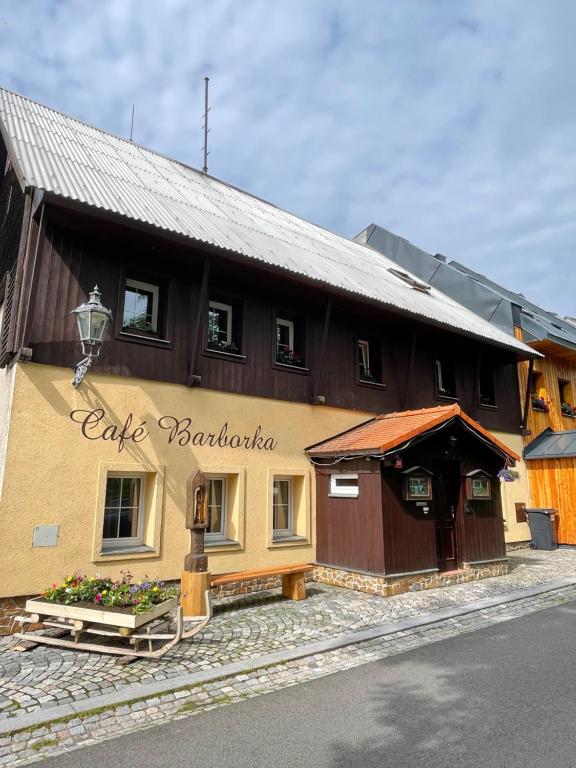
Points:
(250, 586)
(514, 545)
(413, 582)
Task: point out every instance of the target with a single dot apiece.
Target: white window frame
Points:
(278, 533)
(442, 391)
(346, 492)
(364, 347)
(218, 536)
(127, 541)
(228, 310)
(290, 325)
(150, 288)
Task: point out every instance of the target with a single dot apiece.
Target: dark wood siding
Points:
(75, 258)
(349, 531)
(409, 535)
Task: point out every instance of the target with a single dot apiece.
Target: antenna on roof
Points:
(206, 129)
(132, 123)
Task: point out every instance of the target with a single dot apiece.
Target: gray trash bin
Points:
(542, 524)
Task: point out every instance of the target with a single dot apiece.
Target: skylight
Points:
(409, 280)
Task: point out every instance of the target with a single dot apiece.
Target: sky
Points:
(449, 122)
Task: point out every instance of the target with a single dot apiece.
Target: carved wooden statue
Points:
(196, 521)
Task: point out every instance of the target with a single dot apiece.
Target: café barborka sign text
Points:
(95, 426)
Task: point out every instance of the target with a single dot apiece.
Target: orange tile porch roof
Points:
(391, 430)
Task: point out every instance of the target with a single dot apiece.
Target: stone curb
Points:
(143, 691)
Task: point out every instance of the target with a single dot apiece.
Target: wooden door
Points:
(447, 492)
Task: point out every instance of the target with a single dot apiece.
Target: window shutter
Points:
(7, 335)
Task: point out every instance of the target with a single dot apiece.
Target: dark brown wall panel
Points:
(76, 258)
(409, 535)
(349, 531)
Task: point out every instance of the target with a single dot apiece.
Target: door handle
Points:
(452, 512)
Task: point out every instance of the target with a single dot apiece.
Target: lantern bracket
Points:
(93, 320)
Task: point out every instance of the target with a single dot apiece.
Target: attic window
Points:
(409, 280)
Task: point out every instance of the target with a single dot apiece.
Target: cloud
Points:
(449, 123)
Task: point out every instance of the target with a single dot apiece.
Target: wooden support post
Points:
(192, 595)
(405, 390)
(193, 371)
(523, 426)
(317, 394)
(294, 586)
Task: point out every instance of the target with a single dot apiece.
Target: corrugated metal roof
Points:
(391, 430)
(552, 445)
(73, 160)
(481, 295)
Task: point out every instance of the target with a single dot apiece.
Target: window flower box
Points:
(539, 404)
(568, 410)
(221, 346)
(289, 357)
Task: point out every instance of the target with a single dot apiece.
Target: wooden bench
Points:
(293, 579)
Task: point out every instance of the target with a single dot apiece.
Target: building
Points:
(241, 334)
(547, 385)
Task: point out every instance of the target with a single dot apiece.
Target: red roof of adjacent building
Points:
(391, 430)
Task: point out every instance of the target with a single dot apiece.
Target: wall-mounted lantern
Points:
(93, 319)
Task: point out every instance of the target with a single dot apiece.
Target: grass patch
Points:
(38, 745)
(190, 706)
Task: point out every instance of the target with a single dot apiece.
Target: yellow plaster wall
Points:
(518, 491)
(54, 474)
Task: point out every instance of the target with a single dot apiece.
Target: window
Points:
(282, 506)
(487, 393)
(123, 511)
(217, 498)
(539, 395)
(411, 281)
(344, 485)
(566, 398)
(417, 484)
(445, 378)
(141, 306)
(478, 486)
(289, 341)
(224, 327)
(369, 362)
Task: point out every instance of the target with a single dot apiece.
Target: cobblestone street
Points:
(45, 678)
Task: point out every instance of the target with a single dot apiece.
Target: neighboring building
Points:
(241, 335)
(547, 385)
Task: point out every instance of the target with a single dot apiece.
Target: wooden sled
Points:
(164, 630)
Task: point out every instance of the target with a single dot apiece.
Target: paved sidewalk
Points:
(53, 701)
(45, 678)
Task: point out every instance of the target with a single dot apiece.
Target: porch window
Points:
(141, 307)
(344, 485)
(123, 511)
(487, 392)
(282, 517)
(417, 487)
(223, 327)
(217, 513)
(478, 486)
(445, 377)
